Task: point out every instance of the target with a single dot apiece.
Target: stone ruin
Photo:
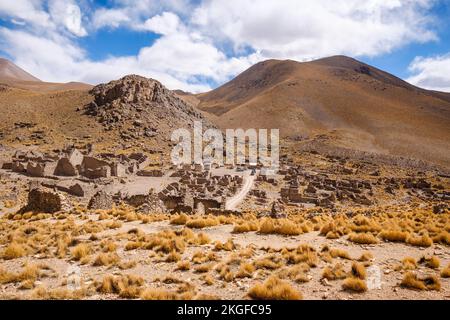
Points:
(73, 163)
(199, 191)
(321, 190)
(42, 200)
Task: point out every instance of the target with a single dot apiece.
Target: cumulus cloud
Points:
(204, 43)
(25, 11)
(431, 73)
(112, 18)
(165, 24)
(58, 59)
(67, 14)
(303, 29)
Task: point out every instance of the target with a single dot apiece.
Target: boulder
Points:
(76, 190)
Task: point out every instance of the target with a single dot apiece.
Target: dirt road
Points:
(247, 185)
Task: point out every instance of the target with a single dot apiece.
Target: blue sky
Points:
(198, 45)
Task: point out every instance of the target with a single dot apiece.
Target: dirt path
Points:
(234, 202)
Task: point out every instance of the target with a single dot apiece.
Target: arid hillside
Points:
(9, 71)
(130, 114)
(350, 104)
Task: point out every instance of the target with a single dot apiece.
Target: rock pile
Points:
(140, 107)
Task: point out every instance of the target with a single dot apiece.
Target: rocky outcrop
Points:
(140, 108)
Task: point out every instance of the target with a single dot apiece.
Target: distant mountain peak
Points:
(11, 72)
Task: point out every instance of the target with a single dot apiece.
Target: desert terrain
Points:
(91, 206)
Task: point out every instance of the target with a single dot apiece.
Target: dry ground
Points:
(118, 254)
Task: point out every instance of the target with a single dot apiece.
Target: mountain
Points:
(13, 76)
(130, 114)
(352, 104)
(9, 71)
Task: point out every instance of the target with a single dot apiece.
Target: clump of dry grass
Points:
(340, 253)
(394, 235)
(363, 238)
(13, 251)
(445, 273)
(297, 273)
(412, 281)
(246, 226)
(354, 284)
(81, 251)
(274, 289)
(127, 286)
(30, 273)
(204, 222)
(58, 294)
(106, 259)
(180, 219)
(366, 257)
(183, 266)
(161, 294)
(420, 241)
(108, 246)
(432, 262)
(203, 268)
(226, 246)
(409, 263)
(246, 270)
(303, 253)
(208, 279)
(358, 271)
(271, 262)
(282, 227)
(334, 273)
(443, 237)
(174, 256)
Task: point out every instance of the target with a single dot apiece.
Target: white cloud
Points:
(166, 23)
(112, 18)
(431, 73)
(25, 11)
(58, 59)
(304, 29)
(206, 42)
(67, 14)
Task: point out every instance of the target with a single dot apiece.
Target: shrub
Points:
(363, 238)
(13, 251)
(81, 251)
(334, 273)
(421, 241)
(180, 219)
(354, 284)
(274, 289)
(106, 259)
(445, 273)
(358, 271)
(431, 262)
(394, 235)
(183, 266)
(411, 281)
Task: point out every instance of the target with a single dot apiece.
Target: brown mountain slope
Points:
(130, 114)
(15, 77)
(9, 71)
(355, 105)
